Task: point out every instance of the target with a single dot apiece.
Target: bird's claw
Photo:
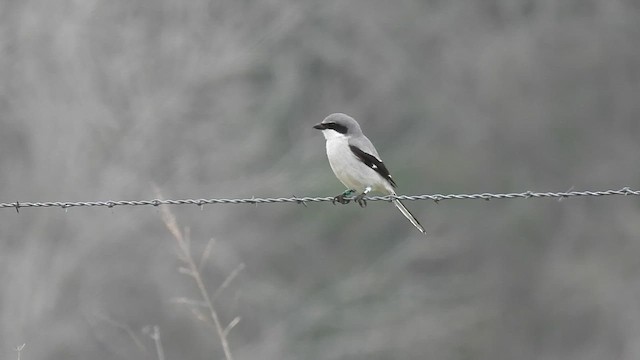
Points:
(361, 200)
(340, 198)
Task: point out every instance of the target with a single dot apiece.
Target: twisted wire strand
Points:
(306, 199)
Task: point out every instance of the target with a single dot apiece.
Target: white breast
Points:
(350, 170)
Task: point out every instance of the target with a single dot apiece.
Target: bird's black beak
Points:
(320, 126)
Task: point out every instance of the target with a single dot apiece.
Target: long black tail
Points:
(409, 215)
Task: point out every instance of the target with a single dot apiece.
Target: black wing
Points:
(373, 162)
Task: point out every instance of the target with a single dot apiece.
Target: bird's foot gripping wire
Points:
(341, 198)
(360, 198)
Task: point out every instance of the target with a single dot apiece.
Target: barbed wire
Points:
(626, 191)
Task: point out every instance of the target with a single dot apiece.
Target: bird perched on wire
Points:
(356, 163)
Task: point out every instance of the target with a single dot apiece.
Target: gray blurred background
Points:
(103, 100)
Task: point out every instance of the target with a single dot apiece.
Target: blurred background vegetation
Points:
(102, 100)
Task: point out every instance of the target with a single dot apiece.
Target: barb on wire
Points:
(304, 200)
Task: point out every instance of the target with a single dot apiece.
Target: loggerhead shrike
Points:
(356, 163)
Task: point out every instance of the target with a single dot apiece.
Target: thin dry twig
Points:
(122, 326)
(232, 324)
(18, 350)
(206, 253)
(154, 333)
(192, 269)
(228, 280)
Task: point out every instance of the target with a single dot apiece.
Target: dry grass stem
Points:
(207, 252)
(154, 333)
(193, 270)
(228, 280)
(19, 350)
(122, 326)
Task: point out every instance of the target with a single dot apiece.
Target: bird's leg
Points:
(360, 198)
(341, 198)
